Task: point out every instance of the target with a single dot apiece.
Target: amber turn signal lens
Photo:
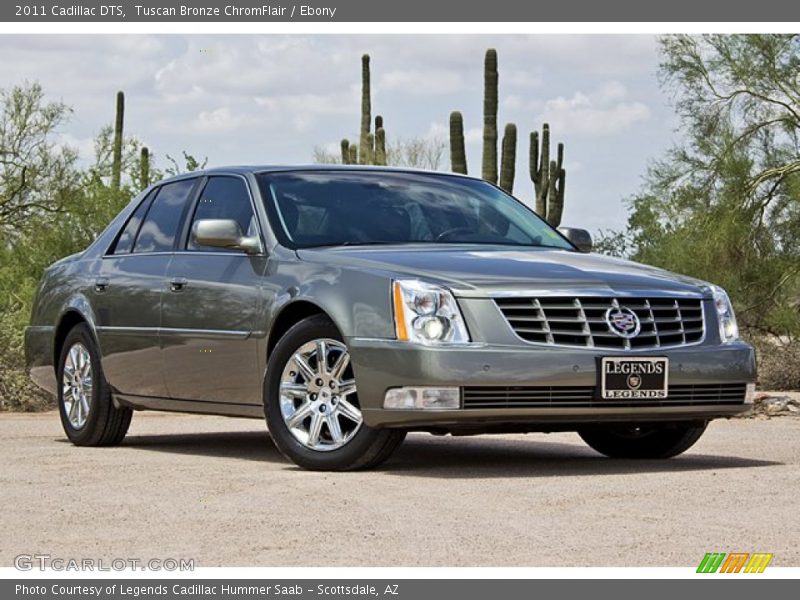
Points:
(399, 317)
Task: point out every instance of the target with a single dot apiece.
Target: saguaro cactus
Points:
(116, 161)
(458, 155)
(380, 146)
(372, 144)
(366, 106)
(548, 176)
(345, 145)
(490, 82)
(144, 167)
(509, 158)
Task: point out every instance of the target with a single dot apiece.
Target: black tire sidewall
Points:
(658, 443)
(352, 454)
(86, 434)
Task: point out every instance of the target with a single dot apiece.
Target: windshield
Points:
(347, 208)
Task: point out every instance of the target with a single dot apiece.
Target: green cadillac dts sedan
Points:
(351, 305)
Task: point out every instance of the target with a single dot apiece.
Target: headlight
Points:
(728, 329)
(427, 314)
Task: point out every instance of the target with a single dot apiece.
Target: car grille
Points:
(586, 397)
(567, 321)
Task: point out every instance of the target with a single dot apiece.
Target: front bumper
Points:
(383, 364)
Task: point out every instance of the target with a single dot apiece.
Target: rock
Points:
(773, 405)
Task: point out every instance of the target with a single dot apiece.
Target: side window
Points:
(161, 223)
(125, 240)
(224, 198)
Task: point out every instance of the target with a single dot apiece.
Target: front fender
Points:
(358, 301)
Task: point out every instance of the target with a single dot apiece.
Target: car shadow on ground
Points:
(449, 457)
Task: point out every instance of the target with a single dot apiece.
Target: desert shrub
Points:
(778, 364)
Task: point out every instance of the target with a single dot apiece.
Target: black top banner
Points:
(710, 11)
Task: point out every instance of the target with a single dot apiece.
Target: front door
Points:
(209, 326)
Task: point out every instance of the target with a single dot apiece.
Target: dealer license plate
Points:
(623, 378)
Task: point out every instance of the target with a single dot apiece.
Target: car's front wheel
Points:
(88, 414)
(311, 403)
(642, 441)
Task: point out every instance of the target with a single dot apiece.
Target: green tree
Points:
(418, 152)
(37, 174)
(725, 205)
(190, 163)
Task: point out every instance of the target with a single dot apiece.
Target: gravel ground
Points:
(217, 490)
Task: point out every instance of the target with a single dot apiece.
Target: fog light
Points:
(422, 398)
(750, 393)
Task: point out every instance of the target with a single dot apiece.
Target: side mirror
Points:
(224, 233)
(581, 238)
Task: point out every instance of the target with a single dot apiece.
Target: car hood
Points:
(478, 271)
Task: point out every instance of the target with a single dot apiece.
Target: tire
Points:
(291, 414)
(645, 441)
(103, 424)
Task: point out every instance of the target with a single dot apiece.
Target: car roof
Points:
(257, 169)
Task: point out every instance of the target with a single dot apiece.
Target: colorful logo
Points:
(623, 321)
(735, 562)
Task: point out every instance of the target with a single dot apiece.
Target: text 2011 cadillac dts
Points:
(351, 305)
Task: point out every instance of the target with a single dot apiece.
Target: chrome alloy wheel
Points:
(317, 396)
(76, 385)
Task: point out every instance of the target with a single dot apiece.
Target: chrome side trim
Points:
(205, 333)
(180, 332)
(127, 330)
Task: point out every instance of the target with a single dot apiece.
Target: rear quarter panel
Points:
(63, 289)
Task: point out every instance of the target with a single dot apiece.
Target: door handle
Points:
(100, 284)
(177, 284)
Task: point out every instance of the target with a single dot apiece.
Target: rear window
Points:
(160, 226)
(125, 240)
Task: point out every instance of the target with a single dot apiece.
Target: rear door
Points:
(127, 292)
(209, 325)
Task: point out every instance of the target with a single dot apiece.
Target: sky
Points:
(270, 99)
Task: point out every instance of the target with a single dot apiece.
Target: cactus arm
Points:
(558, 177)
(555, 205)
(353, 154)
(558, 208)
(345, 145)
(380, 146)
(369, 150)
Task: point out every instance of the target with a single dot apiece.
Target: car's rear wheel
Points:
(642, 441)
(88, 414)
(311, 403)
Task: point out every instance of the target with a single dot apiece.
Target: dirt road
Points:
(216, 490)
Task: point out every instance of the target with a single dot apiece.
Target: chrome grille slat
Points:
(586, 396)
(580, 321)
